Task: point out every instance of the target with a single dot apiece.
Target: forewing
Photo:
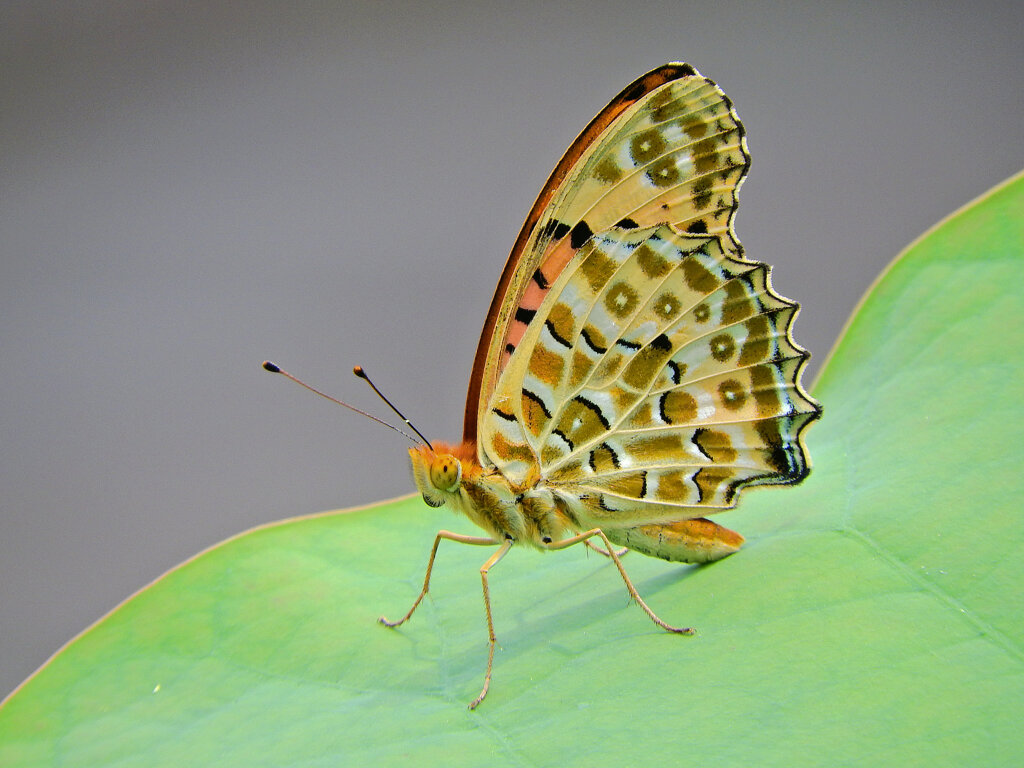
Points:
(667, 150)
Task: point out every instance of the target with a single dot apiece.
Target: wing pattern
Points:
(656, 380)
(634, 362)
(668, 149)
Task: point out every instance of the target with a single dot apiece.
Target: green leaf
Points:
(873, 618)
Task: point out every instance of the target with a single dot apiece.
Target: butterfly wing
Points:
(667, 149)
(653, 375)
(657, 380)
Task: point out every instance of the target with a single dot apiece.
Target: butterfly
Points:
(635, 371)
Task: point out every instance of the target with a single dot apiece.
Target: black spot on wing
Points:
(555, 230)
(697, 435)
(661, 342)
(540, 280)
(590, 343)
(627, 223)
(628, 344)
(502, 415)
(783, 456)
(510, 348)
(554, 334)
(697, 227)
(785, 462)
(610, 453)
(579, 234)
(524, 315)
(537, 399)
(595, 408)
(730, 491)
(677, 371)
(562, 435)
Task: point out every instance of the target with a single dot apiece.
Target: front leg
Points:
(479, 541)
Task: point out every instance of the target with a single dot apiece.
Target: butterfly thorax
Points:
(452, 475)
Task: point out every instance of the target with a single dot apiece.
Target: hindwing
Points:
(657, 379)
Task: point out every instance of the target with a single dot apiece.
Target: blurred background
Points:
(187, 188)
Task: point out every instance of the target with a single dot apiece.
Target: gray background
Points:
(188, 188)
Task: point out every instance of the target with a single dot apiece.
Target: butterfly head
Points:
(437, 474)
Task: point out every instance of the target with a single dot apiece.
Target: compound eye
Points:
(445, 473)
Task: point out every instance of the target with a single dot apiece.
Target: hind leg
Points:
(591, 545)
(622, 572)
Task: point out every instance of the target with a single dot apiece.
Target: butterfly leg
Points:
(481, 541)
(622, 572)
(491, 639)
(590, 545)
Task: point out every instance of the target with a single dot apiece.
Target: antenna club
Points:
(358, 371)
(267, 365)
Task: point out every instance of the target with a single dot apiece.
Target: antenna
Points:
(269, 366)
(358, 371)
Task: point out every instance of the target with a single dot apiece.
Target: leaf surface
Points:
(873, 618)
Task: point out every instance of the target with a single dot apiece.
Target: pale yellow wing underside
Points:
(668, 150)
(657, 379)
(639, 367)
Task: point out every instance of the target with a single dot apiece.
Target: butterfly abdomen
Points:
(684, 541)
